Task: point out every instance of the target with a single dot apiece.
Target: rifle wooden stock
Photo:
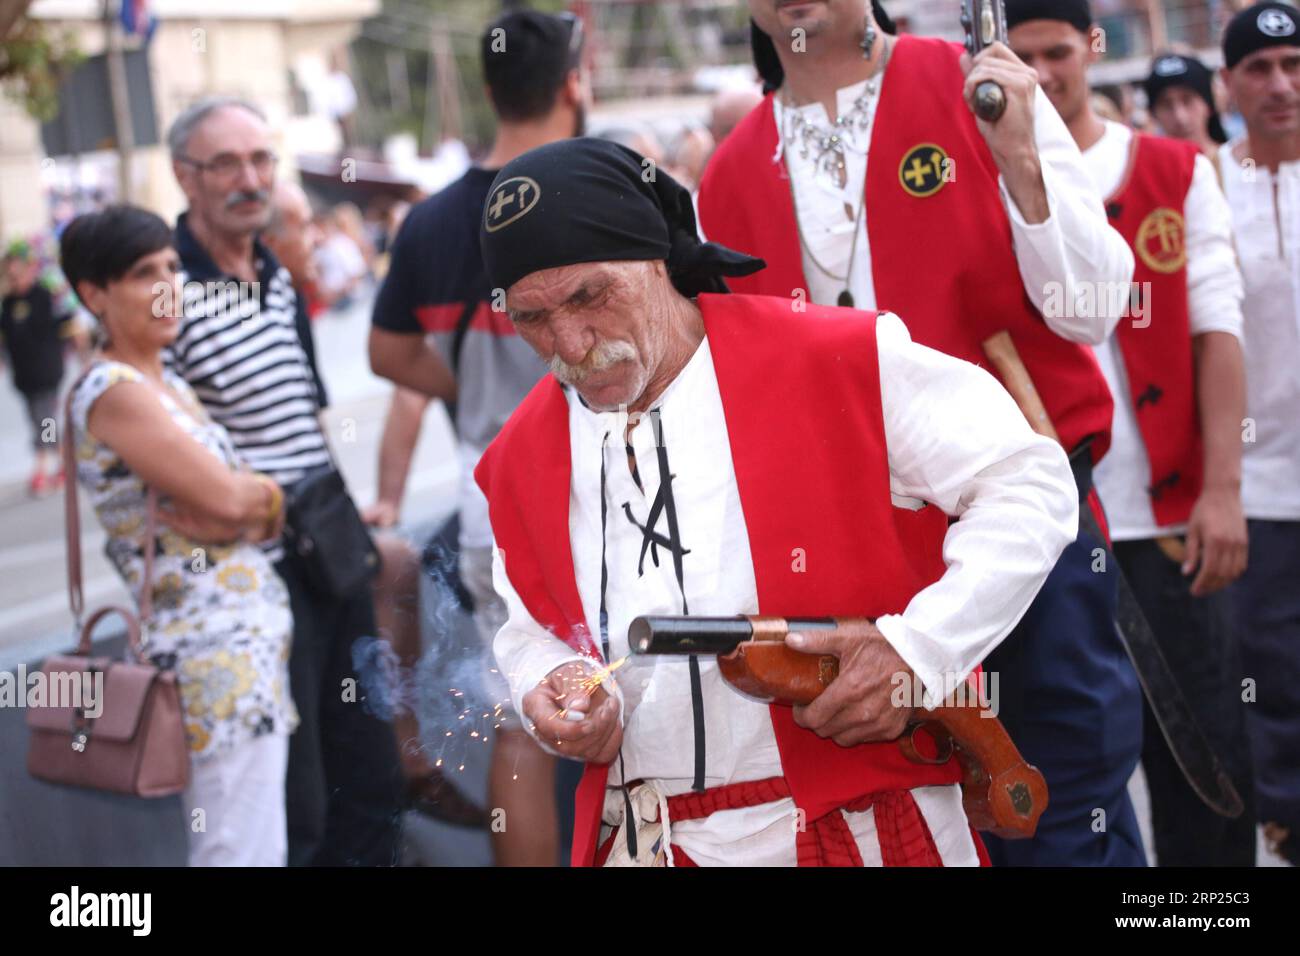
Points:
(1001, 793)
(1001, 351)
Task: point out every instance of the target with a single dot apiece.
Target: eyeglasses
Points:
(228, 165)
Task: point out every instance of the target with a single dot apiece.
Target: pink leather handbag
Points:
(136, 744)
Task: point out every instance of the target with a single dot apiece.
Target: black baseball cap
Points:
(1174, 69)
(1257, 27)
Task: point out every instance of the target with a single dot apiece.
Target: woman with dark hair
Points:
(221, 616)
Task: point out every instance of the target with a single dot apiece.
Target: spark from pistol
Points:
(588, 687)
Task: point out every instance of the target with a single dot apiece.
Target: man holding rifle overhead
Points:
(698, 453)
(865, 179)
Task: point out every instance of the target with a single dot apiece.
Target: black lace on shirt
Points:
(665, 504)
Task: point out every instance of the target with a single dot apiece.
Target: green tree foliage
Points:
(33, 61)
(398, 43)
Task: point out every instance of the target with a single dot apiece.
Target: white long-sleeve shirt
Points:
(1214, 305)
(1266, 225)
(955, 438)
(1073, 249)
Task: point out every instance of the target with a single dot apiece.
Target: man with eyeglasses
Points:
(240, 348)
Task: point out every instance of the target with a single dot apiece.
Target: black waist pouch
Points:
(323, 528)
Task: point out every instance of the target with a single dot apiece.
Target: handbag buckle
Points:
(80, 725)
(80, 730)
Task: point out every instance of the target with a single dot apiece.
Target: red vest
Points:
(793, 461)
(943, 261)
(1147, 210)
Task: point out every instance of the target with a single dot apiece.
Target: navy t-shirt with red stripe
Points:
(435, 272)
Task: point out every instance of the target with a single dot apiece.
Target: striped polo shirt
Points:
(241, 351)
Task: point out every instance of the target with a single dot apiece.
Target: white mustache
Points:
(603, 356)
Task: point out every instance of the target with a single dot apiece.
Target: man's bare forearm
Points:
(397, 447)
(1221, 398)
(411, 361)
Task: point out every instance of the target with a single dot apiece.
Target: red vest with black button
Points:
(813, 480)
(1147, 210)
(941, 251)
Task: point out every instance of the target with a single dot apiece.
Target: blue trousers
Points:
(1266, 610)
(1069, 698)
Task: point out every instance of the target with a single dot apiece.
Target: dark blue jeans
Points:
(1069, 697)
(1266, 612)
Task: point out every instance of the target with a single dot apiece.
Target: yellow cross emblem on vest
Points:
(924, 170)
(1160, 241)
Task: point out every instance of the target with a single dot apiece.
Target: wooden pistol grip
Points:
(1001, 792)
(768, 670)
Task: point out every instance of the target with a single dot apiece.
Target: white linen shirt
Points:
(955, 438)
(1074, 248)
(1266, 223)
(1213, 305)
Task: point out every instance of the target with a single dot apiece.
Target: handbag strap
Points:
(72, 528)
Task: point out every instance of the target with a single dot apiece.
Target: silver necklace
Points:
(826, 146)
(806, 137)
(845, 298)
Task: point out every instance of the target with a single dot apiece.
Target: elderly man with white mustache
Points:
(761, 462)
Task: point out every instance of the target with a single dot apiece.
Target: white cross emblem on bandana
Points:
(1275, 23)
(510, 200)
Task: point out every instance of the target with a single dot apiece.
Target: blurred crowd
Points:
(215, 404)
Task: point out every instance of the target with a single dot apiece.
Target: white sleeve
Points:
(956, 439)
(1075, 248)
(1214, 286)
(525, 651)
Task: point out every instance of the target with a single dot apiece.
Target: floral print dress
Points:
(221, 615)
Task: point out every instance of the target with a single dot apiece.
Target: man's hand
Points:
(597, 737)
(1216, 538)
(856, 707)
(1011, 138)
(382, 514)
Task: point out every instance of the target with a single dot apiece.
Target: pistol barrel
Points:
(687, 635)
(669, 634)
